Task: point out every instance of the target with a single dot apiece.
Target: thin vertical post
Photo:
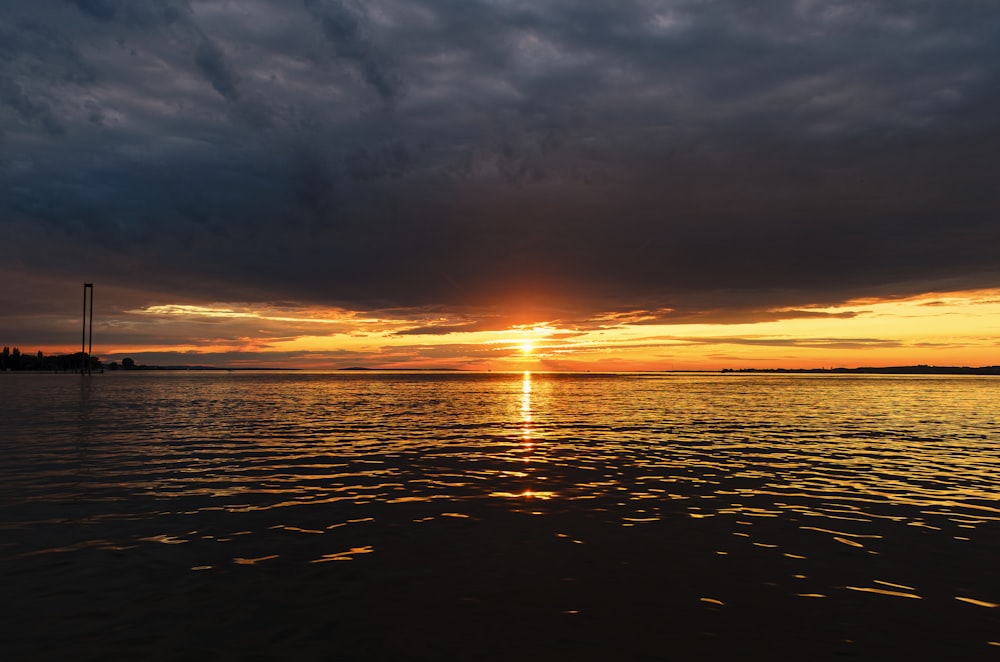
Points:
(83, 337)
(84, 352)
(90, 332)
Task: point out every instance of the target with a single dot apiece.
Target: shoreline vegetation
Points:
(12, 360)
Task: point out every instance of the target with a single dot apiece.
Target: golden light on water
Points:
(607, 463)
(526, 494)
(882, 591)
(526, 426)
(978, 603)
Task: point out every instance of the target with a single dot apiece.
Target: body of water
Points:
(446, 516)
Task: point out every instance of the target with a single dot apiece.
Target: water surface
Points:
(491, 516)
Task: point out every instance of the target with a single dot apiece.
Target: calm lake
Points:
(515, 516)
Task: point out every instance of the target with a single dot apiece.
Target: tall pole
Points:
(84, 353)
(90, 331)
(83, 337)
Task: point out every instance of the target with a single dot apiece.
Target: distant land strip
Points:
(890, 370)
(404, 369)
(201, 367)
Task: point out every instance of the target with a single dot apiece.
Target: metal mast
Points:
(85, 351)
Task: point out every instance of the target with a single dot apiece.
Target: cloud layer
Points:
(502, 160)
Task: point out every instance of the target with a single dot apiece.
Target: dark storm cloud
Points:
(562, 158)
(28, 109)
(213, 65)
(347, 28)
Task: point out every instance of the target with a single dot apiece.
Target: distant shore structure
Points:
(85, 350)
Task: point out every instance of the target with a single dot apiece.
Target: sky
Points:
(503, 184)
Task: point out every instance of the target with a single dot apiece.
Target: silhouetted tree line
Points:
(13, 359)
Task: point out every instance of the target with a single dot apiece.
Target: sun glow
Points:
(952, 328)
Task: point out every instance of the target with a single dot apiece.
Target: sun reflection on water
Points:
(843, 484)
(526, 426)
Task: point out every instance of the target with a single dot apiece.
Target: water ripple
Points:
(260, 470)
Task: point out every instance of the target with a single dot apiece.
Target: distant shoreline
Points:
(888, 370)
(891, 370)
(362, 368)
(148, 368)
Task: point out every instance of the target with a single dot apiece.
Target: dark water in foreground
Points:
(499, 516)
